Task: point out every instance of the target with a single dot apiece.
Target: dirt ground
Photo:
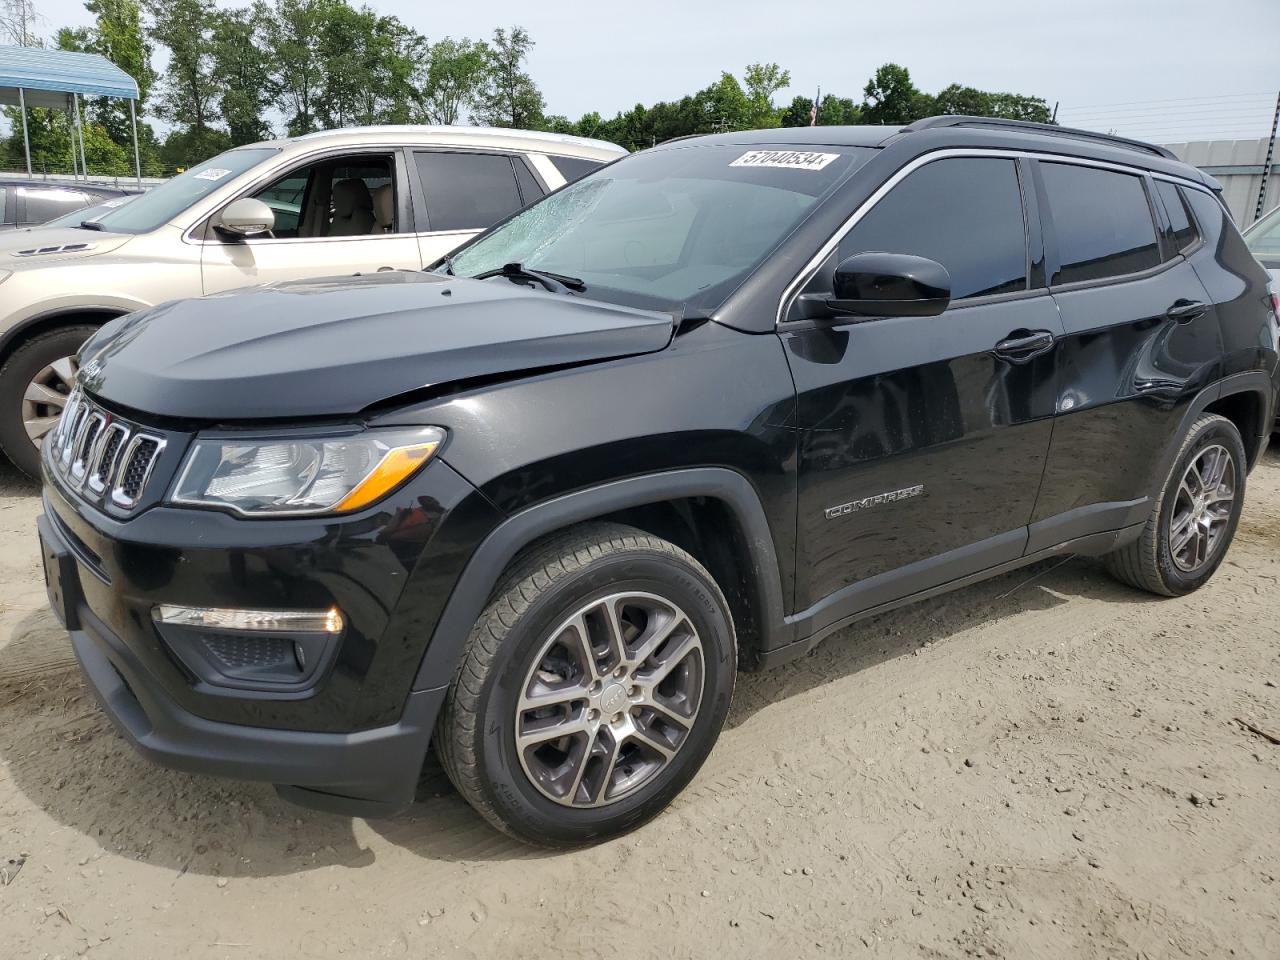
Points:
(1047, 765)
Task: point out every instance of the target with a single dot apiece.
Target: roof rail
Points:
(1050, 129)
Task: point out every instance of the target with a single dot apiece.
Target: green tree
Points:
(370, 64)
(18, 19)
(452, 81)
(762, 81)
(294, 35)
(838, 112)
(510, 97)
(247, 88)
(189, 90)
(890, 97)
(797, 113)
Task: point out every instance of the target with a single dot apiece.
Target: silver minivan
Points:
(349, 201)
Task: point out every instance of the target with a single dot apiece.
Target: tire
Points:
(651, 584)
(1151, 562)
(24, 364)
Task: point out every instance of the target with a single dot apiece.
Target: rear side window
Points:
(964, 213)
(1182, 232)
(574, 168)
(1102, 222)
(467, 191)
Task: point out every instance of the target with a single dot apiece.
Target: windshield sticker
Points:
(213, 173)
(785, 159)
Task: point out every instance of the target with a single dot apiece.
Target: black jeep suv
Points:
(692, 413)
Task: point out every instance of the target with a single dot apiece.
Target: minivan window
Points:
(1102, 223)
(1182, 231)
(161, 204)
(678, 227)
(467, 191)
(965, 213)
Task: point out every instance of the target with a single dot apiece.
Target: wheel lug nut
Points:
(593, 714)
(621, 671)
(617, 717)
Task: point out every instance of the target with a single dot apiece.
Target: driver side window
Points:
(965, 213)
(340, 197)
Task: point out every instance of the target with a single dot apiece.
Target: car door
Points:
(465, 191)
(922, 439)
(1141, 339)
(334, 215)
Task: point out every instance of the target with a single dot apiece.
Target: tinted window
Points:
(668, 227)
(46, 204)
(3, 218)
(574, 168)
(964, 213)
(467, 191)
(529, 189)
(1102, 222)
(1263, 237)
(1182, 232)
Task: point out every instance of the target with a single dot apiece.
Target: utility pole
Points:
(1261, 208)
(1054, 118)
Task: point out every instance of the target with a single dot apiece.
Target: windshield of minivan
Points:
(1263, 239)
(678, 227)
(160, 205)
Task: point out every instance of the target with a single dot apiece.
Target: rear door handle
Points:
(1184, 311)
(1022, 346)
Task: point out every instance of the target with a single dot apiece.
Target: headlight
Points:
(303, 475)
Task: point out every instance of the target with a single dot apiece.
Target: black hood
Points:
(337, 346)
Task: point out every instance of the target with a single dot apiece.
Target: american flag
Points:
(813, 109)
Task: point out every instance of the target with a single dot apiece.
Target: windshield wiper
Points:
(91, 225)
(552, 282)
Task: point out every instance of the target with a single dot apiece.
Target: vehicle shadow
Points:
(65, 757)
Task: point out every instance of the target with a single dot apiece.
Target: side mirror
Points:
(245, 217)
(888, 285)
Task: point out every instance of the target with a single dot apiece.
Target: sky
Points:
(1163, 71)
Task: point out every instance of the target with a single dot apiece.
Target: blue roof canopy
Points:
(48, 76)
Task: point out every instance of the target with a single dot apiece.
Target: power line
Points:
(1130, 103)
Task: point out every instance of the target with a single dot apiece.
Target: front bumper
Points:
(369, 772)
(355, 740)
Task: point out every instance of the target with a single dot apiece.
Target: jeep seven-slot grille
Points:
(101, 455)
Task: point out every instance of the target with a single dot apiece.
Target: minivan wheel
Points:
(1195, 517)
(34, 383)
(592, 687)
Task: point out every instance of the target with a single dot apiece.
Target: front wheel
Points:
(1194, 519)
(592, 688)
(34, 384)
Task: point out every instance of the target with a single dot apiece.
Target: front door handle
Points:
(1184, 311)
(1022, 346)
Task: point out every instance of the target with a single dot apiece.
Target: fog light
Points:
(284, 621)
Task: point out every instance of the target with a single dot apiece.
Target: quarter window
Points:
(467, 191)
(1182, 232)
(1102, 223)
(965, 213)
(574, 168)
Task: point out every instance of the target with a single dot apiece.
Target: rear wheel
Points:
(34, 383)
(592, 688)
(1194, 519)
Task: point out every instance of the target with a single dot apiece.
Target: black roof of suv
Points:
(691, 413)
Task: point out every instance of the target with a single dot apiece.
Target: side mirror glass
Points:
(889, 285)
(245, 217)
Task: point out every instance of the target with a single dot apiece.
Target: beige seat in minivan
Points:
(352, 209)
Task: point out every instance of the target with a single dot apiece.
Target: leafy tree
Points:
(762, 81)
(247, 87)
(510, 97)
(294, 34)
(891, 97)
(797, 113)
(185, 148)
(370, 63)
(452, 81)
(1013, 106)
(839, 111)
(189, 90)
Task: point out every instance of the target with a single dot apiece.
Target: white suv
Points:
(341, 202)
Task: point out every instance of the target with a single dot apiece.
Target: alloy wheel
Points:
(610, 699)
(1202, 508)
(46, 396)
